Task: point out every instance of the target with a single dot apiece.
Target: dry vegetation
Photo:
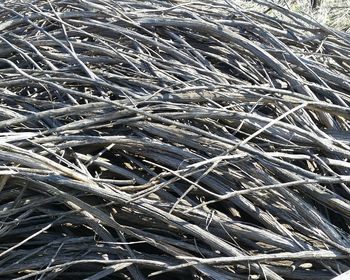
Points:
(334, 13)
(172, 140)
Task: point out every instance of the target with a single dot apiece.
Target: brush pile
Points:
(172, 139)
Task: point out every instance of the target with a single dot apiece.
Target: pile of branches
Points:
(172, 139)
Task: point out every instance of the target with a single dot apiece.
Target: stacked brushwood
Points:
(172, 140)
